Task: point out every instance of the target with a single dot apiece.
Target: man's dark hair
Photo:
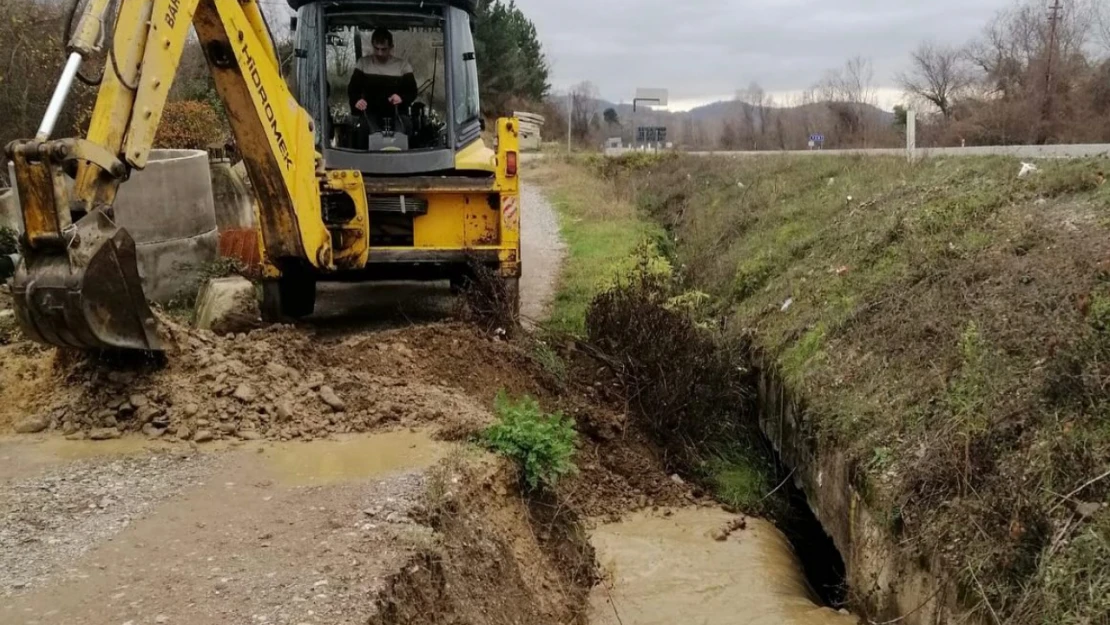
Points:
(382, 35)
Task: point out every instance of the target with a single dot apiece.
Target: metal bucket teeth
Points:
(88, 296)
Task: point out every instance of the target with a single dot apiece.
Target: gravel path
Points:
(268, 533)
(49, 520)
(543, 250)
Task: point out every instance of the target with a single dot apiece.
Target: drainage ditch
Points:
(820, 559)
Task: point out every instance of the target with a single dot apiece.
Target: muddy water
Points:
(663, 570)
(344, 459)
(353, 458)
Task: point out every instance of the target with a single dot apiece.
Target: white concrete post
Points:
(911, 134)
(570, 118)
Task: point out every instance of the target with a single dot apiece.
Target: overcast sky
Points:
(704, 50)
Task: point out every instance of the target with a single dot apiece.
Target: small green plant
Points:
(8, 241)
(968, 393)
(549, 360)
(541, 444)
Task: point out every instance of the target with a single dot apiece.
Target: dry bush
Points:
(189, 125)
(488, 300)
(684, 387)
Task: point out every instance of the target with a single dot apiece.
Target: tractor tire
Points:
(288, 298)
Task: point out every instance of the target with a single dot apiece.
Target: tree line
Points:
(1039, 73)
(1035, 74)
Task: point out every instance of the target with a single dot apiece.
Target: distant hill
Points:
(737, 124)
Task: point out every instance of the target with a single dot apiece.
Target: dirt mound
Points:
(277, 383)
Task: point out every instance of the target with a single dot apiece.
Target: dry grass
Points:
(948, 324)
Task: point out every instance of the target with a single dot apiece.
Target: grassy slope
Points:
(948, 324)
(604, 233)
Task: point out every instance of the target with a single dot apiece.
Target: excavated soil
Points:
(278, 383)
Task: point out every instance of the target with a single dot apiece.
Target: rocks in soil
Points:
(276, 383)
(32, 425)
(285, 411)
(244, 393)
(104, 434)
(204, 436)
(723, 533)
(331, 399)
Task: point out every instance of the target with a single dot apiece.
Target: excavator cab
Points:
(431, 66)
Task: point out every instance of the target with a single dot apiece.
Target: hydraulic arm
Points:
(78, 284)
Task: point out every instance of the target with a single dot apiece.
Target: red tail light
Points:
(510, 164)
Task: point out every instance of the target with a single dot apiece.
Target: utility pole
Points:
(570, 117)
(1054, 12)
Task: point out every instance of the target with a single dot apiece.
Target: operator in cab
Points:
(383, 86)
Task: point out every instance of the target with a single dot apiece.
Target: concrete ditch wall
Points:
(170, 212)
(893, 586)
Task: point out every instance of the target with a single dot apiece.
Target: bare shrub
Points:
(686, 388)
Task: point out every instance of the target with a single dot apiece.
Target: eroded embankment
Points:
(928, 343)
(499, 558)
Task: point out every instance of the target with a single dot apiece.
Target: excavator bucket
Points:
(87, 295)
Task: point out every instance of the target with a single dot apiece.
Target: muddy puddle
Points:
(353, 458)
(671, 569)
(345, 458)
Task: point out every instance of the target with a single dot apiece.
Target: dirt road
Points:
(543, 251)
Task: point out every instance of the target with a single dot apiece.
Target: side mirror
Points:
(293, 23)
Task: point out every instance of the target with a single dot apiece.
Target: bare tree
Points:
(583, 103)
(849, 91)
(1102, 23)
(939, 74)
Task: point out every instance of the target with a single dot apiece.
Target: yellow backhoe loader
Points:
(413, 194)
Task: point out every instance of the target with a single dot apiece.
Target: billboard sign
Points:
(652, 97)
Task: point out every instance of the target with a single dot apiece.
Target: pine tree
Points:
(511, 62)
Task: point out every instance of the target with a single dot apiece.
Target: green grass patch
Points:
(542, 444)
(602, 231)
(740, 478)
